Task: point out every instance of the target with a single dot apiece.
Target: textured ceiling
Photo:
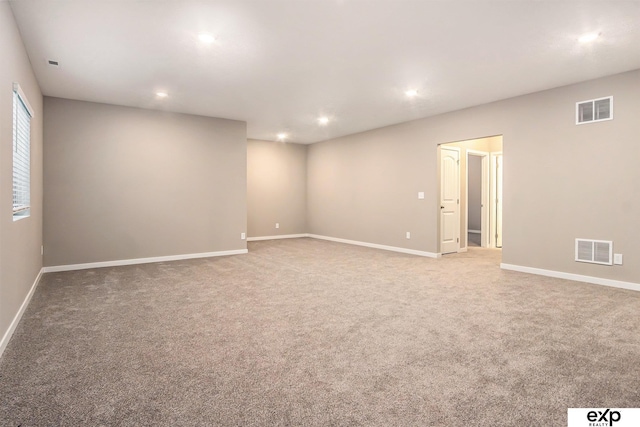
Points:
(281, 64)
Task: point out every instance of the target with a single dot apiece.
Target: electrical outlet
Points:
(42, 250)
(617, 259)
(277, 225)
(243, 236)
(408, 235)
(421, 195)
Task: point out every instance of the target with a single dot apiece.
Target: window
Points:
(595, 110)
(22, 114)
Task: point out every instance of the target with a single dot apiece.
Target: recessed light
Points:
(206, 38)
(588, 38)
(162, 94)
(323, 120)
(411, 93)
(282, 136)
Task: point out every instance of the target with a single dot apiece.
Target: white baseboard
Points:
(85, 266)
(283, 236)
(570, 276)
(18, 316)
(474, 231)
(376, 246)
(462, 250)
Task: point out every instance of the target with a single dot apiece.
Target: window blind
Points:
(21, 155)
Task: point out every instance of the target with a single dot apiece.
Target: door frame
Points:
(485, 215)
(494, 215)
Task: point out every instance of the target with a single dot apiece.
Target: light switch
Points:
(421, 195)
(617, 259)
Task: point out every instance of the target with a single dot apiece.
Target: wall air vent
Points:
(595, 110)
(594, 251)
(53, 63)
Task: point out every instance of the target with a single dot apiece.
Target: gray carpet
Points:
(474, 239)
(312, 333)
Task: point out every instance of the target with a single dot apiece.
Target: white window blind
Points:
(22, 114)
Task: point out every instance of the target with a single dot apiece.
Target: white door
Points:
(486, 225)
(449, 200)
(499, 201)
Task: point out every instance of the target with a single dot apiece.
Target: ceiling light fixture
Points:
(588, 38)
(206, 38)
(162, 94)
(282, 136)
(411, 93)
(323, 120)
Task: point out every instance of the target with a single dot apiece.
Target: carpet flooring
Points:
(306, 332)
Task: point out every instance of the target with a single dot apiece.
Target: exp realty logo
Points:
(603, 417)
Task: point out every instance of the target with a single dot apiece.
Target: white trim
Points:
(461, 250)
(377, 246)
(23, 98)
(474, 231)
(283, 236)
(72, 267)
(14, 324)
(493, 214)
(570, 276)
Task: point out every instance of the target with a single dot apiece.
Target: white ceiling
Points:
(281, 64)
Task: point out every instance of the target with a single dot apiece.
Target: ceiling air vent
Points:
(595, 110)
(53, 63)
(594, 251)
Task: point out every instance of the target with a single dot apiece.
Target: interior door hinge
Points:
(457, 240)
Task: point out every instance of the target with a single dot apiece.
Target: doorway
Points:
(478, 194)
(470, 173)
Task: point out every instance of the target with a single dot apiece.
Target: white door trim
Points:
(493, 214)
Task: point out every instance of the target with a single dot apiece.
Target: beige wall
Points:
(20, 260)
(124, 183)
(364, 187)
(561, 181)
(276, 188)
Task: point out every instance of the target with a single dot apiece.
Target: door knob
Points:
(441, 207)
